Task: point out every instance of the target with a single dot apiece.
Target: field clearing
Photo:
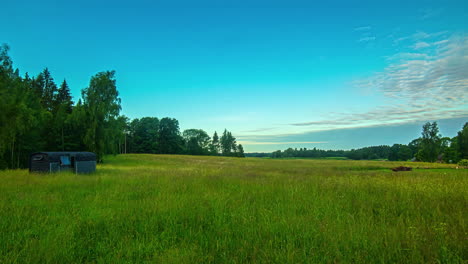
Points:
(194, 209)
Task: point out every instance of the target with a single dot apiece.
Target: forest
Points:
(37, 114)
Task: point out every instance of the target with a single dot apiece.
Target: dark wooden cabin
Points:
(78, 162)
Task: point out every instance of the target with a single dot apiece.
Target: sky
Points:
(277, 74)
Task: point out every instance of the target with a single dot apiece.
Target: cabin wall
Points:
(54, 167)
(85, 166)
(40, 166)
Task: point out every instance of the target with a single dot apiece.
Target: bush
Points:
(463, 163)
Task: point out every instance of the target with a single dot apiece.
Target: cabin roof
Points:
(79, 156)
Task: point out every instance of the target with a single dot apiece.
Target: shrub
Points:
(463, 163)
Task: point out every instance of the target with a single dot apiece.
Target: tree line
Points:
(36, 114)
(162, 136)
(430, 147)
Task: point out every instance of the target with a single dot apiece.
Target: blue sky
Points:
(328, 74)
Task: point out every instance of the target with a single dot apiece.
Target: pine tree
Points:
(228, 144)
(49, 89)
(77, 123)
(232, 144)
(63, 98)
(62, 108)
(214, 147)
(7, 106)
(240, 151)
(225, 143)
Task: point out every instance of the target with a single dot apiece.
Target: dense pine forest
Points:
(37, 114)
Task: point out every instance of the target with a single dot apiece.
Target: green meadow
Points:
(195, 209)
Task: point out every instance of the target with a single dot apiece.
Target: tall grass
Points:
(188, 209)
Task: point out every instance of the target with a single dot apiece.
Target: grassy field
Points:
(188, 209)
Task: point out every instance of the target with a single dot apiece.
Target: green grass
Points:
(188, 209)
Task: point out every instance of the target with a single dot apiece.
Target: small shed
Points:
(78, 162)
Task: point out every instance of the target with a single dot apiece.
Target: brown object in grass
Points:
(402, 168)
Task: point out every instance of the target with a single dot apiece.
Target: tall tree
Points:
(170, 141)
(414, 145)
(233, 144)
(102, 106)
(430, 143)
(214, 146)
(240, 151)
(63, 98)
(49, 89)
(61, 112)
(451, 153)
(77, 122)
(144, 135)
(225, 143)
(462, 139)
(37, 85)
(6, 102)
(117, 131)
(228, 144)
(197, 142)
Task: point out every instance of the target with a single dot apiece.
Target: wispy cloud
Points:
(428, 78)
(382, 117)
(428, 13)
(421, 45)
(365, 34)
(427, 85)
(260, 129)
(440, 42)
(366, 39)
(419, 36)
(365, 28)
(281, 143)
(407, 56)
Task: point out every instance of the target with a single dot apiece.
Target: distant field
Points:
(321, 158)
(192, 209)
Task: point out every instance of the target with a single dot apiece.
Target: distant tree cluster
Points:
(307, 153)
(36, 114)
(162, 136)
(430, 147)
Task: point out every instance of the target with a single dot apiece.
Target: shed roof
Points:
(79, 156)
